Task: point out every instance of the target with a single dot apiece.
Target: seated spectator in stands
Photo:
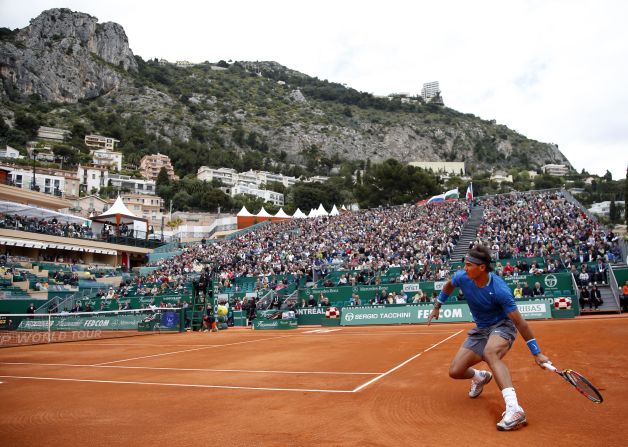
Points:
(624, 300)
(311, 301)
(518, 291)
(585, 298)
(355, 299)
(323, 301)
(31, 309)
(402, 298)
(419, 297)
(538, 290)
(535, 269)
(434, 296)
(508, 269)
(596, 296)
(583, 278)
(527, 291)
(599, 274)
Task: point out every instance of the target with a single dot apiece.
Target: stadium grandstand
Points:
(381, 258)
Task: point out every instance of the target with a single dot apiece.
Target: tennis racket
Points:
(576, 379)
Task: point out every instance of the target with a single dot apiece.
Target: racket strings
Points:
(584, 386)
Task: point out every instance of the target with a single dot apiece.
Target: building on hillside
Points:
(87, 206)
(268, 196)
(10, 152)
(93, 178)
(125, 183)
(56, 182)
(107, 158)
(41, 151)
(197, 219)
(601, 208)
(150, 207)
(184, 64)
(53, 134)
(555, 170)
(230, 177)
(100, 142)
(316, 179)
(430, 90)
(441, 167)
(501, 176)
(150, 165)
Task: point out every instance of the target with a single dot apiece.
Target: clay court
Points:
(313, 386)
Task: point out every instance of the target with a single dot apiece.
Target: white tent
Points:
(298, 214)
(313, 213)
(119, 211)
(322, 211)
(334, 211)
(263, 213)
(281, 214)
(244, 212)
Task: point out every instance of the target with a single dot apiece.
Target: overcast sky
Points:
(555, 71)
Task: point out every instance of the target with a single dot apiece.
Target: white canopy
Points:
(322, 211)
(334, 211)
(244, 212)
(39, 213)
(263, 213)
(298, 214)
(313, 213)
(118, 207)
(281, 214)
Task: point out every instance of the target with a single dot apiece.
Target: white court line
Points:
(401, 364)
(183, 385)
(187, 350)
(191, 369)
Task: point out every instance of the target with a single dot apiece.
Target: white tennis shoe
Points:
(477, 387)
(512, 420)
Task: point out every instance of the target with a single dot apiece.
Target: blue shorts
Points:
(478, 336)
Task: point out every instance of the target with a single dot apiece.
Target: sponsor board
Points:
(274, 324)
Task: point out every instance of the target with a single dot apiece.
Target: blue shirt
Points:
(489, 304)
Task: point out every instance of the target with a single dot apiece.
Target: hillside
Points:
(67, 70)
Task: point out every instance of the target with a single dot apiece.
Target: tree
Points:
(608, 176)
(162, 182)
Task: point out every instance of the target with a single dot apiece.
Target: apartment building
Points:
(100, 142)
(555, 170)
(49, 181)
(132, 185)
(107, 158)
(93, 178)
(149, 207)
(150, 165)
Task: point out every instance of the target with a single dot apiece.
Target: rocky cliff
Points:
(60, 56)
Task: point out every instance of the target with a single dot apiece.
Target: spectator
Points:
(31, 310)
(527, 291)
(624, 300)
(518, 291)
(538, 290)
(596, 296)
(583, 278)
(585, 298)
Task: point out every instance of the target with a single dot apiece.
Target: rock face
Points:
(64, 56)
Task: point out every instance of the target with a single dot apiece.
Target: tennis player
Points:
(497, 321)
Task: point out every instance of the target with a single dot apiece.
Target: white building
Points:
(43, 152)
(132, 185)
(501, 176)
(52, 133)
(93, 178)
(50, 181)
(441, 167)
(10, 152)
(230, 177)
(149, 207)
(316, 178)
(555, 170)
(268, 196)
(430, 90)
(107, 158)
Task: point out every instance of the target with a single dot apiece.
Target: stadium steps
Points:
(469, 233)
(609, 306)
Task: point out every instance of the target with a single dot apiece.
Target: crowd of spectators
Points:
(370, 242)
(46, 226)
(545, 225)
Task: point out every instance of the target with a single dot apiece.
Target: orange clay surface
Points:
(332, 386)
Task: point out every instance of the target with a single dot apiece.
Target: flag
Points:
(452, 194)
(470, 191)
(436, 199)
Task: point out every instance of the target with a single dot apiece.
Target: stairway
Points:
(469, 233)
(609, 306)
